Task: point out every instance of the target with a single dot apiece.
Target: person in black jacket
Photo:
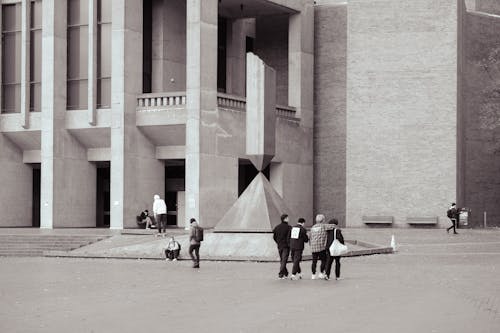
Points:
(330, 258)
(453, 214)
(280, 236)
(297, 236)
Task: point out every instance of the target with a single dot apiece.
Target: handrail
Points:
(167, 99)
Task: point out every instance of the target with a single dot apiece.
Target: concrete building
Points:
(105, 103)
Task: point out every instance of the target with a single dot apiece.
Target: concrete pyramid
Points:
(258, 209)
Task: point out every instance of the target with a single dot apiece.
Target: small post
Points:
(484, 220)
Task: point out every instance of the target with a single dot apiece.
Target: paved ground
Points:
(434, 283)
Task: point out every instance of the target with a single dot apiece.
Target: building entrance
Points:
(175, 171)
(103, 195)
(35, 214)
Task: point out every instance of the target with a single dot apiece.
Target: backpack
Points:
(198, 234)
(449, 213)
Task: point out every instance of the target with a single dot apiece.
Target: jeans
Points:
(196, 249)
(296, 257)
(453, 226)
(161, 222)
(171, 254)
(321, 256)
(329, 263)
(284, 252)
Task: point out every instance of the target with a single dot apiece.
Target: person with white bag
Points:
(335, 234)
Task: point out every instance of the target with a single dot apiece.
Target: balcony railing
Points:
(160, 101)
(174, 100)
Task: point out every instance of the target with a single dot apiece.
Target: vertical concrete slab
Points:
(135, 173)
(301, 64)
(401, 108)
(17, 181)
(330, 57)
(25, 62)
(235, 62)
(211, 179)
(260, 112)
(67, 178)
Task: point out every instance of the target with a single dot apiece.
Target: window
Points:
(104, 53)
(11, 58)
(35, 56)
(78, 34)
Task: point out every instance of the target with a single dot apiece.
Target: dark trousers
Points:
(453, 226)
(171, 254)
(321, 256)
(196, 249)
(329, 262)
(161, 223)
(284, 252)
(296, 258)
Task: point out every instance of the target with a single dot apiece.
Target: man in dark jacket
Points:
(453, 215)
(329, 258)
(297, 236)
(280, 236)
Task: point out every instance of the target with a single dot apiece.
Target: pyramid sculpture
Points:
(259, 207)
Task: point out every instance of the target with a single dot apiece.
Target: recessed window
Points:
(11, 58)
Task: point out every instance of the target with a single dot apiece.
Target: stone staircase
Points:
(35, 245)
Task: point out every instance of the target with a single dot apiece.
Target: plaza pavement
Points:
(435, 282)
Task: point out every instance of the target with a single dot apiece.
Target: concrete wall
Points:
(401, 108)
(481, 117)
(169, 46)
(330, 33)
(271, 45)
(488, 6)
(17, 181)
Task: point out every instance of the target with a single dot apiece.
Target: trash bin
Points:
(463, 217)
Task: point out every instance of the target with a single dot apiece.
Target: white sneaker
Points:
(294, 277)
(338, 278)
(321, 276)
(175, 259)
(313, 277)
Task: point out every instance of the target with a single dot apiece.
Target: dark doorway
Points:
(249, 44)
(35, 214)
(221, 54)
(246, 173)
(103, 195)
(147, 46)
(175, 171)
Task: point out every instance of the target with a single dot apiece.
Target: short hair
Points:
(320, 218)
(302, 220)
(192, 220)
(283, 217)
(333, 221)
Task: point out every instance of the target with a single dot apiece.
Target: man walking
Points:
(195, 238)
(280, 236)
(297, 236)
(453, 215)
(318, 245)
(160, 214)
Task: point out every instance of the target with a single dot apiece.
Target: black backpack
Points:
(449, 213)
(198, 234)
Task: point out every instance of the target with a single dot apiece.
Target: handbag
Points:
(337, 248)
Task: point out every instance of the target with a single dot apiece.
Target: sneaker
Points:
(338, 278)
(321, 276)
(313, 277)
(175, 259)
(294, 277)
(327, 277)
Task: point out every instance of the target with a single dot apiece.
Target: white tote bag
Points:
(337, 248)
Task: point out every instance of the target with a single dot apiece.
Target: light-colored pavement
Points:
(434, 283)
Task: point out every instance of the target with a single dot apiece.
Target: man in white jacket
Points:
(160, 214)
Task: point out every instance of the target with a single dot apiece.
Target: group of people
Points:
(291, 242)
(159, 216)
(173, 248)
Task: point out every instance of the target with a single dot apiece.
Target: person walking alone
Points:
(453, 215)
(160, 214)
(195, 239)
(280, 236)
(334, 233)
(297, 236)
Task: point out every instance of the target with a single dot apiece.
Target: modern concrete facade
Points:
(108, 102)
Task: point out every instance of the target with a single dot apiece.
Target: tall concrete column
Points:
(67, 178)
(25, 61)
(135, 173)
(236, 49)
(211, 179)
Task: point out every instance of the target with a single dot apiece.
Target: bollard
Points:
(484, 220)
